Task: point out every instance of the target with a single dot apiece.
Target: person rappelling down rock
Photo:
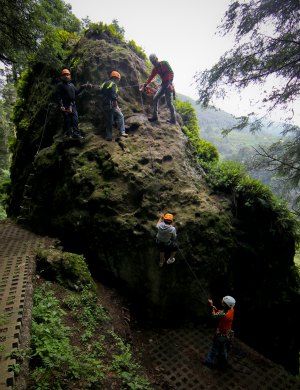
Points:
(109, 92)
(164, 70)
(65, 96)
(166, 238)
(218, 354)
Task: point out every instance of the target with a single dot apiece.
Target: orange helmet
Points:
(168, 217)
(116, 74)
(65, 72)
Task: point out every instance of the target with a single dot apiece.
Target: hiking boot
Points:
(153, 119)
(108, 138)
(77, 135)
(171, 260)
(209, 365)
(172, 121)
(124, 135)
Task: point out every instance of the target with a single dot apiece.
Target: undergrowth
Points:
(87, 354)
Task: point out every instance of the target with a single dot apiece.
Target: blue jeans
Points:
(71, 120)
(111, 115)
(218, 353)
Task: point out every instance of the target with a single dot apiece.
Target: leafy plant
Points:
(53, 357)
(124, 365)
(206, 152)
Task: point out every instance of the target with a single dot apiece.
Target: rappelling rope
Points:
(44, 127)
(205, 295)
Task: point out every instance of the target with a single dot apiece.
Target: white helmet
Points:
(153, 58)
(229, 301)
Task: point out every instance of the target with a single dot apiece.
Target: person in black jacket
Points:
(65, 96)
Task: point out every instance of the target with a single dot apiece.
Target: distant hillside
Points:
(237, 144)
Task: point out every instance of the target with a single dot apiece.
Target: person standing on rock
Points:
(166, 238)
(164, 70)
(109, 92)
(218, 354)
(65, 96)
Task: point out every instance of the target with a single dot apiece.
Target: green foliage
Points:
(124, 365)
(226, 175)
(55, 48)
(113, 30)
(35, 20)
(4, 189)
(137, 49)
(206, 152)
(67, 268)
(119, 28)
(54, 359)
(88, 311)
(231, 177)
(102, 28)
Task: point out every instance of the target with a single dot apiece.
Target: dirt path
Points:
(17, 251)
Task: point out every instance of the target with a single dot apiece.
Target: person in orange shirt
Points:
(218, 354)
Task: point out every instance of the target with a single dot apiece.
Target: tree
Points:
(266, 49)
(119, 29)
(24, 23)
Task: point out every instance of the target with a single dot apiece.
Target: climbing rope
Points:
(44, 127)
(205, 295)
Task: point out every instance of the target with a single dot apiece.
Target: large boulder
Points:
(104, 198)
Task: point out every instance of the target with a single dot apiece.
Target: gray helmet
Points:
(153, 58)
(229, 301)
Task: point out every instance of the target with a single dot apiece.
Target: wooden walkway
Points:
(17, 259)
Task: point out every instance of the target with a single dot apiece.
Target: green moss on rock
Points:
(68, 269)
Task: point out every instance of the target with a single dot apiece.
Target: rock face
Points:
(103, 198)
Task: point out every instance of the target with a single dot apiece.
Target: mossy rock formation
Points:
(104, 198)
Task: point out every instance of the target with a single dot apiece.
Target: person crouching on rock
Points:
(65, 96)
(218, 354)
(109, 92)
(166, 238)
(164, 70)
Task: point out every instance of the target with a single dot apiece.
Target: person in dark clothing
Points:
(109, 91)
(65, 96)
(164, 70)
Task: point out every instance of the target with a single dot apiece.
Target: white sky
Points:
(182, 32)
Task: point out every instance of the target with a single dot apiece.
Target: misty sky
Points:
(182, 32)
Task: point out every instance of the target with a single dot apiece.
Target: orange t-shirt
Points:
(225, 320)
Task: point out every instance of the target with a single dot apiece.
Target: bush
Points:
(4, 189)
(66, 268)
(206, 152)
(137, 49)
(103, 28)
